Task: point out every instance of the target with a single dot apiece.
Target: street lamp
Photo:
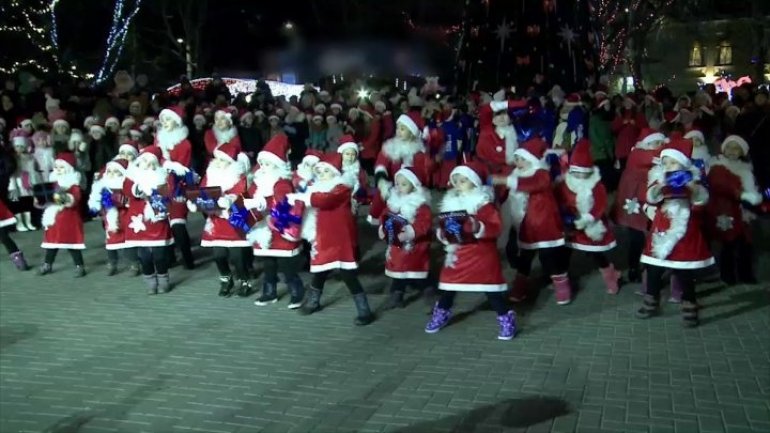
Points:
(288, 26)
(179, 40)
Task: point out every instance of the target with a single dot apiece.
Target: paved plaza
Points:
(98, 355)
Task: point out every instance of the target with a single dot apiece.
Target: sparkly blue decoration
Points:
(180, 182)
(282, 217)
(106, 199)
(701, 166)
(766, 194)
(568, 219)
(391, 226)
(453, 227)
(678, 179)
(158, 203)
(239, 218)
(204, 202)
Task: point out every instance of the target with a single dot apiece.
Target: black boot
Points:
(244, 289)
(650, 308)
(396, 300)
(112, 269)
(269, 294)
(365, 315)
(746, 264)
(297, 292)
(225, 286)
(634, 275)
(312, 302)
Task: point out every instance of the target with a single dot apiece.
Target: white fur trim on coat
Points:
(584, 201)
(678, 213)
(49, 215)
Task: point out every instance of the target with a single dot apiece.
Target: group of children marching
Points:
(274, 213)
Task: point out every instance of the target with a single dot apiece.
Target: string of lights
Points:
(116, 38)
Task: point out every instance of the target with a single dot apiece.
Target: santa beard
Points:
(225, 178)
(147, 180)
(112, 182)
(400, 150)
(65, 180)
(351, 171)
(266, 178)
(305, 172)
(224, 135)
(168, 139)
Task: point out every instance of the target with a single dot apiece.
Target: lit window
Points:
(725, 54)
(696, 55)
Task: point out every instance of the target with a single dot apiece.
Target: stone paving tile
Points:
(97, 355)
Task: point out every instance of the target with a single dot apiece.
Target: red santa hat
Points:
(175, 113)
(312, 156)
(273, 117)
(601, 98)
(680, 150)
(96, 128)
(737, 139)
(695, 135)
(572, 100)
(26, 122)
(417, 174)
(648, 135)
(409, 124)
(318, 118)
(276, 150)
(246, 115)
(581, 160)
(60, 122)
(152, 152)
(347, 142)
(118, 164)
(112, 120)
(223, 113)
(227, 151)
(67, 158)
(128, 123)
(320, 109)
(474, 171)
(331, 160)
(128, 147)
(532, 150)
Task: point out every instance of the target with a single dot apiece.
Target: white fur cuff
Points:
(700, 196)
(409, 232)
(480, 233)
(176, 168)
(753, 198)
(654, 194)
(513, 182)
(192, 207)
(498, 105)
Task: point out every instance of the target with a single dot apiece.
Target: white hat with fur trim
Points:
(347, 142)
(409, 124)
(60, 122)
(737, 139)
(96, 129)
(696, 135)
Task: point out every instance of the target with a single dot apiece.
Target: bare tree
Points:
(183, 26)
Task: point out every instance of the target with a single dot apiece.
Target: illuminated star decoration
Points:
(632, 206)
(137, 224)
(116, 37)
(724, 222)
(568, 35)
(503, 32)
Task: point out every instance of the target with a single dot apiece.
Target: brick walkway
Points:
(98, 355)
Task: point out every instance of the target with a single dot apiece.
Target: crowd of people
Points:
(286, 182)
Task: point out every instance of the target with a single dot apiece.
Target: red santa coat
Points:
(473, 267)
(389, 161)
(63, 223)
(495, 147)
(676, 240)
(212, 144)
(730, 182)
(265, 240)
(532, 209)
(330, 227)
(6, 216)
(177, 160)
(371, 144)
(388, 125)
(632, 189)
(410, 260)
(626, 128)
(114, 220)
(218, 232)
(145, 228)
(586, 200)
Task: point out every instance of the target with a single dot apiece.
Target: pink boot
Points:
(519, 288)
(562, 288)
(610, 276)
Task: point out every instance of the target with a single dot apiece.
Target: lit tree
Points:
(123, 13)
(28, 38)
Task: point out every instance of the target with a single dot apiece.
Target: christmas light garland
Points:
(239, 85)
(116, 38)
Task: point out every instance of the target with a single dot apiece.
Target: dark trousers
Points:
(238, 255)
(636, 242)
(8, 243)
(553, 260)
(182, 241)
(655, 282)
(497, 300)
(154, 260)
(129, 254)
(77, 256)
(368, 165)
(736, 260)
(400, 284)
(598, 257)
(608, 173)
(288, 266)
(349, 277)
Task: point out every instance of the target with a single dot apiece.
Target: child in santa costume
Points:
(223, 132)
(148, 224)
(532, 208)
(176, 150)
(351, 168)
(21, 183)
(584, 198)
(7, 221)
(631, 196)
(406, 227)
(396, 152)
(497, 137)
(108, 199)
(473, 266)
(228, 172)
(61, 218)
(675, 242)
(303, 175)
(700, 152)
(44, 154)
(731, 184)
(331, 230)
(277, 246)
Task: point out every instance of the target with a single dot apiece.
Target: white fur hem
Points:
(408, 275)
(591, 248)
(8, 222)
(176, 221)
(276, 252)
(460, 287)
(543, 244)
(673, 264)
(150, 243)
(120, 246)
(314, 269)
(224, 243)
(54, 246)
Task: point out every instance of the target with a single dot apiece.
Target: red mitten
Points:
(471, 225)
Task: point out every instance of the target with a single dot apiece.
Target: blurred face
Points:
(760, 99)
(96, 135)
(349, 156)
(147, 164)
(221, 163)
(580, 174)
(670, 164)
(336, 111)
(7, 103)
(403, 132)
(60, 129)
(199, 122)
(20, 149)
(317, 122)
(521, 163)
(308, 164)
(733, 151)
(628, 104)
(61, 168)
(501, 119)
(403, 185)
(27, 127)
(697, 142)
(273, 122)
(112, 126)
(128, 156)
(113, 173)
(462, 183)
(168, 123)
(221, 122)
(135, 109)
(324, 172)
(247, 121)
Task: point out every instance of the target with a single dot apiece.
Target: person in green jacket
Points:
(602, 141)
